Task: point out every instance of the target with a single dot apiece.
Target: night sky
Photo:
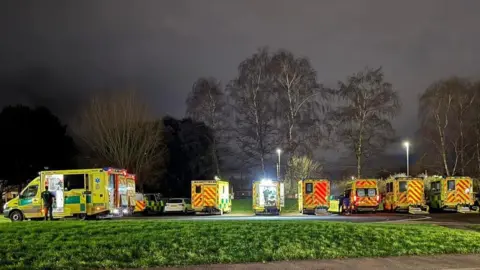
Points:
(56, 53)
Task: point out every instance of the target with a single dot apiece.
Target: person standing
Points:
(47, 198)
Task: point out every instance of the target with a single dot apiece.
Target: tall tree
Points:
(445, 108)
(362, 120)
(475, 121)
(252, 101)
(300, 168)
(206, 103)
(32, 140)
(119, 131)
(301, 99)
(189, 158)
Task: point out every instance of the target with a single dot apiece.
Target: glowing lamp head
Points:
(406, 144)
(279, 151)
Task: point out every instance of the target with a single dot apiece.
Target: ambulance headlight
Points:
(116, 212)
(5, 206)
(125, 211)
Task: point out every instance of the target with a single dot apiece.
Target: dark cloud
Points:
(161, 47)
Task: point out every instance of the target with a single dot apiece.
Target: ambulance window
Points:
(402, 185)
(30, 192)
(451, 185)
(371, 192)
(308, 188)
(361, 192)
(198, 189)
(433, 186)
(74, 181)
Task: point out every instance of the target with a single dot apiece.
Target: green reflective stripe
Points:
(154, 206)
(72, 200)
(89, 198)
(25, 202)
(82, 207)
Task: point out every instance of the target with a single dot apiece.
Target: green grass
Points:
(141, 243)
(3, 220)
(475, 227)
(244, 206)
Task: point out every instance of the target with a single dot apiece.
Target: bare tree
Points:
(206, 103)
(463, 109)
(475, 113)
(301, 99)
(362, 120)
(445, 107)
(300, 168)
(118, 130)
(251, 98)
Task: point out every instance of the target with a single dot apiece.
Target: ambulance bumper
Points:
(6, 213)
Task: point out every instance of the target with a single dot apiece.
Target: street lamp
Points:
(279, 151)
(407, 147)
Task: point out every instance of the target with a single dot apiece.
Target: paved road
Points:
(436, 218)
(378, 217)
(444, 262)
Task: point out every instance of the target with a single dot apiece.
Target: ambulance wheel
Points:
(16, 216)
(82, 216)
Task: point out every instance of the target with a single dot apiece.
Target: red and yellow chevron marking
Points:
(309, 200)
(415, 192)
(197, 200)
(139, 206)
(451, 197)
(209, 195)
(196, 197)
(460, 188)
(321, 193)
(367, 201)
(402, 197)
(365, 183)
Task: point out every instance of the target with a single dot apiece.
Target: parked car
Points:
(178, 205)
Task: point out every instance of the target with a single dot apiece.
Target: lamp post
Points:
(407, 147)
(279, 151)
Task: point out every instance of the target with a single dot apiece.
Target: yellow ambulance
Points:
(211, 197)
(81, 193)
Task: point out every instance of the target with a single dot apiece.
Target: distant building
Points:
(9, 195)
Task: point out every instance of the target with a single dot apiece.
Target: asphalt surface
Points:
(434, 218)
(445, 262)
(378, 217)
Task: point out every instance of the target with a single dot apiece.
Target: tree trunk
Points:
(215, 157)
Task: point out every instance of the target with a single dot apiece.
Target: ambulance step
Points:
(321, 212)
(416, 211)
(467, 210)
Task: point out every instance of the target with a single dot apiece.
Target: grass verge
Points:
(244, 206)
(3, 219)
(122, 244)
(475, 227)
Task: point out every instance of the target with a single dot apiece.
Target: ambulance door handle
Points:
(101, 195)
